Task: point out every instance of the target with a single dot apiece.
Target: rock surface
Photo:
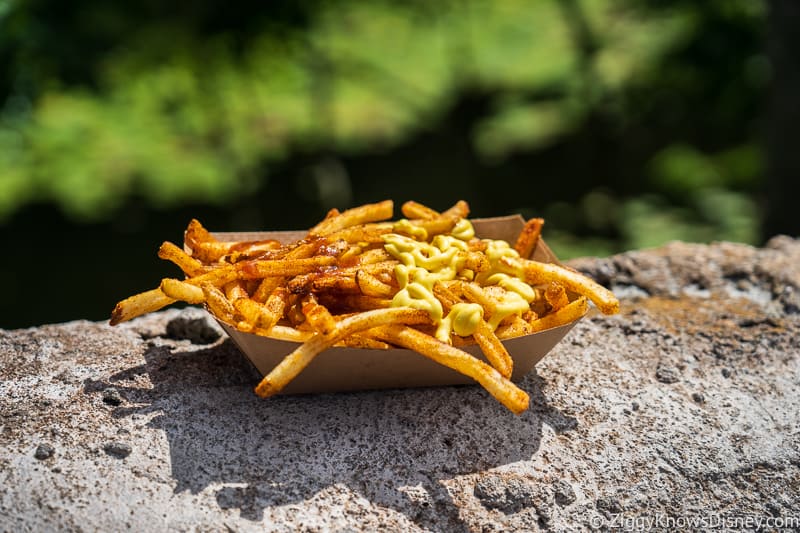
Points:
(682, 411)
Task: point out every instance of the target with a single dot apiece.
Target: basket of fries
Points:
(361, 302)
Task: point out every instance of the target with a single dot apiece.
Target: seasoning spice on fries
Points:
(424, 282)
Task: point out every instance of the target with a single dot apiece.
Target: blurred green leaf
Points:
(182, 109)
(681, 169)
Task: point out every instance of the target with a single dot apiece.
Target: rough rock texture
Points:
(684, 407)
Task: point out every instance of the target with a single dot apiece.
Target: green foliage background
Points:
(626, 123)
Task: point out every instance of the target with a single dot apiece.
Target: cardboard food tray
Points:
(349, 369)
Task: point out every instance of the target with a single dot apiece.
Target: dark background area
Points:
(625, 123)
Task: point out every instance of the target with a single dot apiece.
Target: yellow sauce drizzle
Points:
(462, 320)
(407, 228)
(422, 264)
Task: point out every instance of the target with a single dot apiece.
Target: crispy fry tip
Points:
(265, 389)
(116, 316)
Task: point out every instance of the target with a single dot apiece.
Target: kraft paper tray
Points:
(349, 369)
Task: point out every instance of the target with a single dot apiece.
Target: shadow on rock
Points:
(393, 447)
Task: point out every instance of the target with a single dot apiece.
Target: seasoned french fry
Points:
(218, 303)
(241, 251)
(515, 327)
(285, 333)
(187, 263)
(445, 295)
(493, 349)
(475, 293)
(556, 296)
(431, 226)
(474, 261)
(281, 267)
(342, 280)
(139, 304)
(317, 315)
(336, 282)
(235, 290)
(352, 217)
(460, 209)
(412, 209)
(367, 233)
(275, 306)
(537, 273)
(565, 315)
(303, 250)
(363, 340)
(196, 234)
(372, 286)
(180, 290)
(203, 245)
(372, 257)
(296, 361)
(515, 399)
(529, 237)
(217, 277)
(255, 315)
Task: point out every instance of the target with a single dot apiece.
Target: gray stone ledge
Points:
(684, 406)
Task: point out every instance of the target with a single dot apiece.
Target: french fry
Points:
(565, 315)
(556, 296)
(370, 285)
(317, 315)
(337, 282)
(285, 333)
(295, 362)
(474, 261)
(139, 304)
(529, 237)
(432, 226)
(515, 327)
(275, 306)
(475, 293)
(536, 273)
(302, 250)
(363, 340)
(241, 251)
(493, 349)
(218, 303)
(217, 277)
(342, 280)
(180, 290)
(372, 257)
(187, 263)
(254, 314)
(515, 399)
(352, 217)
(203, 245)
(460, 209)
(235, 290)
(368, 233)
(412, 209)
(256, 269)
